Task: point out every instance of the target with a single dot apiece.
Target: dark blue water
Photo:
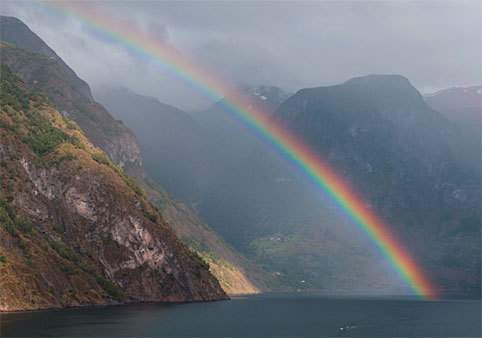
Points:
(313, 314)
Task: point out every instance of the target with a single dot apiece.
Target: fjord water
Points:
(295, 314)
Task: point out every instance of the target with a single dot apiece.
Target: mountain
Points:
(176, 155)
(228, 140)
(187, 154)
(68, 93)
(42, 70)
(14, 31)
(268, 98)
(416, 169)
(460, 105)
(172, 142)
(75, 230)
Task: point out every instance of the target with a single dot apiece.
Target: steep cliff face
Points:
(75, 230)
(235, 273)
(44, 71)
(175, 152)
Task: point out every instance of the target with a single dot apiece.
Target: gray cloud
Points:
(436, 44)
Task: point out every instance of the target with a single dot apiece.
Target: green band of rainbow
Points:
(305, 159)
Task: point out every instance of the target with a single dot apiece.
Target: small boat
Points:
(348, 327)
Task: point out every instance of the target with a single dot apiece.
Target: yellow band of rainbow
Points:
(309, 162)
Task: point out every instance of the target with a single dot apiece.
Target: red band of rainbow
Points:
(324, 178)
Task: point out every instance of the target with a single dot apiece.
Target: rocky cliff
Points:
(175, 152)
(235, 273)
(75, 230)
(44, 71)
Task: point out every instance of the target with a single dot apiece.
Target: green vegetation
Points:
(70, 124)
(69, 253)
(109, 130)
(86, 112)
(58, 229)
(41, 75)
(89, 268)
(65, 251)
(152, 217)
(102, 158)
(112, 289)
(37, 133)
(27, 57)
(11, 93)
(69, 270)
(282, 258)
(41, 135)
(10, 221)
(205, 253)
(200, 263)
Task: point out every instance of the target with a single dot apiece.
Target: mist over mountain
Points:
(49, 75)
(68, 93)
(254, 221)
(417, 169)
(188, 153)
(226, 135)
(172, 142)
(14, 31)
(460, 105)
(240, 168)
(285, 44)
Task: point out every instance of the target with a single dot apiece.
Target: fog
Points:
(292, 45)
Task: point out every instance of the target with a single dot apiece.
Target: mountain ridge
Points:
(414, 167)
(75, 230)
(175, 132)
(14, 31)
(51, 76)
(461, 105)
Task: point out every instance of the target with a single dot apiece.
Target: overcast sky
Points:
(435, 44)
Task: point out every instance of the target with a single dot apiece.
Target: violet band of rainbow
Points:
(285, 142)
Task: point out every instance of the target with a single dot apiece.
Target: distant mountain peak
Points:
(262, 90)
(457, 90)
(462, 105)
(14, 31)
(393, 96)
(392, 80)
(10, 18)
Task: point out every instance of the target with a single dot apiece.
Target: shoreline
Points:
(55, 308)
(345, 293)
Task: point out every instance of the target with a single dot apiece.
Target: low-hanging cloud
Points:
(288, 44)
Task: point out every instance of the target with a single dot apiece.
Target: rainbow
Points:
(305, 159)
